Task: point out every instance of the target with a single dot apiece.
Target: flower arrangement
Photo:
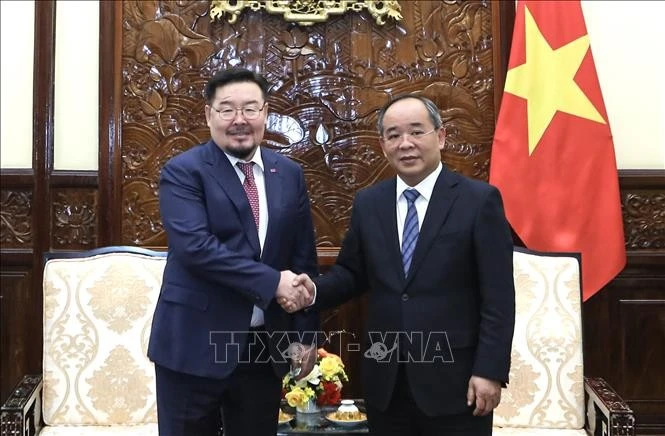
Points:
(323, 383)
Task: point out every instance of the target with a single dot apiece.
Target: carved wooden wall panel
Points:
(644, 219)
(74, 214)
(24, 205)
(328, 80)
(15, 218)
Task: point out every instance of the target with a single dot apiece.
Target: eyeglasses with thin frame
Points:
(415, 135)
(227, 113)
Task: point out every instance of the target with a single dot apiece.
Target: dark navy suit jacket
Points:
(215, 272)
(460, 285)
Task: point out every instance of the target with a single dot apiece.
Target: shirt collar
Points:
(257, 159)
(424, 188)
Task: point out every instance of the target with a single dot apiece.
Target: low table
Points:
(311, 424)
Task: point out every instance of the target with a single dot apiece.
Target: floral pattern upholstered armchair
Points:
(97, 379)
(548, 393)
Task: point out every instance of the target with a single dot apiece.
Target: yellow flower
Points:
(309, 393)
(297, 397)
(323, 353)
(330, 366)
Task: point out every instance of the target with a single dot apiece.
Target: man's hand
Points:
(306, 281)
(486, 394)
(290, 294)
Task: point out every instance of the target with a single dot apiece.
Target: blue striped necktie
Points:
(410, 234)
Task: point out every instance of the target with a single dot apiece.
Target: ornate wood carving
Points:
(306, 12)
(74, 219)
(328, 83)
(644, 219)
(621, 418)
(15, 219)
(21, 413)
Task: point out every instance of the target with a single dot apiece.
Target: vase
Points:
(308, 415)
(310, 407)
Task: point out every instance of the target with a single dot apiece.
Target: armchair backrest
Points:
(98, 308)
(546, 388)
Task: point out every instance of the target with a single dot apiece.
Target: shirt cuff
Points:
(313, 299)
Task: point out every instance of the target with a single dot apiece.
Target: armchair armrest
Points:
(606, 412)
(22, 412)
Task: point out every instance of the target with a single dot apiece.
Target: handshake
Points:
(294, 292)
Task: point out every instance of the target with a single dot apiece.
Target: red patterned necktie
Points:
(250, 188)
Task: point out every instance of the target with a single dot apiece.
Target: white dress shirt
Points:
(425, 189)
(257, 314)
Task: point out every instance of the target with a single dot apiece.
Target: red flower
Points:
(330, 395)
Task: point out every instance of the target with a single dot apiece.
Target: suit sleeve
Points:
(304, 257)
(494, 259)
(348, 276)
(185, 218)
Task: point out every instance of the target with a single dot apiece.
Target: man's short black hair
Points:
(235, 75)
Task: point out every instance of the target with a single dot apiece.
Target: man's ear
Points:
(442, 138)
(207, 111)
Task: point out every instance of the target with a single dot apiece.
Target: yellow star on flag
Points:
(547, 82)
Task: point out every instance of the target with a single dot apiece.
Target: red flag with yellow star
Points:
(552, 156)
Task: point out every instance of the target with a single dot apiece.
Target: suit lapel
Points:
(386, 210)
(443, 198)
(220, 169)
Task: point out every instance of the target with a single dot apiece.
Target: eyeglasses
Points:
(228, 113)
(395, 138)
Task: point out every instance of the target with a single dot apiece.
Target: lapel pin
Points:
(273, 170)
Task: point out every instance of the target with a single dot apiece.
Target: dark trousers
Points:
(404, 418)
(189, 405)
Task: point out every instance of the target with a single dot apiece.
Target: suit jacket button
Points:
(405, 297)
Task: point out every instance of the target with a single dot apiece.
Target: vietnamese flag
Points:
(552, 156)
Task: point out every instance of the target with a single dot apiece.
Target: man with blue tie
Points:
(238, 222)
(433, 251)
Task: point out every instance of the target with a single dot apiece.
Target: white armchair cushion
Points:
(514, 431)
(116, 430)
(546, 388)
(97, 318)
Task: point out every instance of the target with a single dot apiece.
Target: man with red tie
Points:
(238, 223)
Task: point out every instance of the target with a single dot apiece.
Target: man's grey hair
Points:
(432, 111)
